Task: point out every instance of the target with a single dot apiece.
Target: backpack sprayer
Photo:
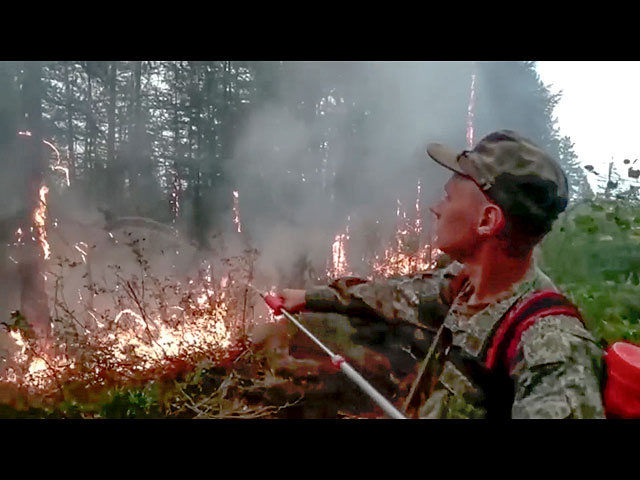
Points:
(275, 303)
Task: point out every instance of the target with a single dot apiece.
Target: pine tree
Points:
(579, 188)
(512, 95)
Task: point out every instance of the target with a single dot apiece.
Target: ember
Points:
(236, 213)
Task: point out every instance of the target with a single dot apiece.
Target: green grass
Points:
(593, 254)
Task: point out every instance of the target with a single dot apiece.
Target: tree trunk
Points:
(111, 182)
(33, 299)
(70, 130)
(136, 154)
(88, 130)
(177, 151)
(111, 114)
(198, 229)
(9, 197)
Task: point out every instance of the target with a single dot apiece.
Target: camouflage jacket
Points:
(558, 363)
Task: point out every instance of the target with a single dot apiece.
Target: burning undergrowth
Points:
(124, 316)
(155, 328)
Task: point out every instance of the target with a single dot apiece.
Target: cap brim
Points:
(445, 156)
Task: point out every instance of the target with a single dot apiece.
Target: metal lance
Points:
(338, 361)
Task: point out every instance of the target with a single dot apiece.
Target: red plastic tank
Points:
(622, 392)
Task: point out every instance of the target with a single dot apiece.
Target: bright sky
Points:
(599, 109)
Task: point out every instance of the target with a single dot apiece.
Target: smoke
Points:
(332, 148)
(345, 158)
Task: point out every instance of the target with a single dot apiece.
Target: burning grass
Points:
(156, 329)
(165, 338)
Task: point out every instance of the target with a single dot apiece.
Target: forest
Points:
(144, 202)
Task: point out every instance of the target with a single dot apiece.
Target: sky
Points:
(599, 109)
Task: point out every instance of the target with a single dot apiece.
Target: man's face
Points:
(457, 218)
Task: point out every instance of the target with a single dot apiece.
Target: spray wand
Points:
(275, 303)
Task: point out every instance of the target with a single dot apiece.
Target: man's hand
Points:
(293, 300)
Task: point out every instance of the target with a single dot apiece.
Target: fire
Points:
(406, 256)
(139, 338)
(396, 262)
(470, 110)
(157, 342)
(152, 341)
(36, 371)
(39, 217)
(418, 223)
(236, 214)
(132, 343)
(58, 165)
(338, 249)
(128, 311)
(339, 266)
(82, 247)
(65, 171)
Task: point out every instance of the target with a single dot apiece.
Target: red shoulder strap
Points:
(522, 316)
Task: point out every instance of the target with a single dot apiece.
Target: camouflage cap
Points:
(501, 155)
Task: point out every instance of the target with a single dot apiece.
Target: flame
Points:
(79, 247)
(58, 165)
(64, 170)
(163, 342)
(339, 266)
(143, 344)
(395, 262)
(39, 217)
(34, 371)
(128, 311)
(203, 329)
(132, 339)
(470, 110)
(236, 214)
(339, 259)
(407, 255)
(418, 222)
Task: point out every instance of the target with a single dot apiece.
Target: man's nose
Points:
(435, 211)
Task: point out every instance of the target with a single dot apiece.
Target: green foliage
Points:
(131, 404)
(593, 255)
(459, 408)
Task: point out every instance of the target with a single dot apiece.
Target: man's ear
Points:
(491, 221)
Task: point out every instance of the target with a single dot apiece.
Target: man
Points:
(501, 201)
